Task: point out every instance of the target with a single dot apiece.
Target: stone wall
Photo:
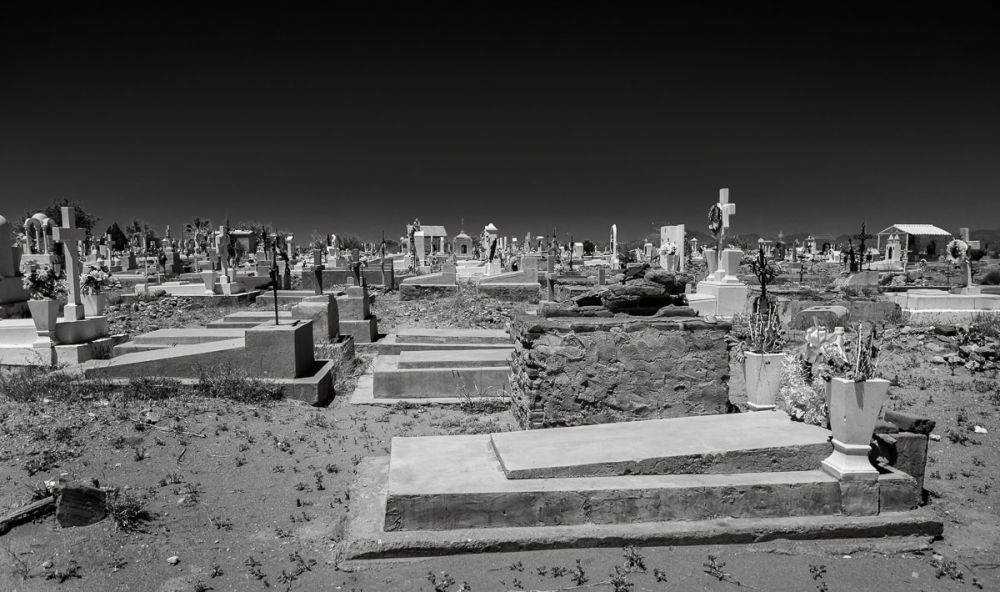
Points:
(576, 371)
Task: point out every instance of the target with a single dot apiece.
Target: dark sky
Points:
(533, 116)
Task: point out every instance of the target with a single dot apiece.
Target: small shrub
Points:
(128, 511)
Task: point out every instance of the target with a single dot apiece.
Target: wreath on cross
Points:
(715, 219)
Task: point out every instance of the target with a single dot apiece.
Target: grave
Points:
(76, 337)
(938, 307)
(281, 354)
(431, 285)
(432, 366)
(323, 310)
(721, 294)
(355, 315)
(688, 480)
(519, 286)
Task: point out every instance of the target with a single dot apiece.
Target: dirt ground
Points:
(255, 496)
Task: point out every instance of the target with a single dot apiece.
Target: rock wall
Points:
(577, 371)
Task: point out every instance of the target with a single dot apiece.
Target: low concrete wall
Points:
(513, 292)
(338, 277)
(420, 291)
(874, 311)
(576, 371)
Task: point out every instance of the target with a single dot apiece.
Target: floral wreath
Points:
(715, 219)
(957, 250)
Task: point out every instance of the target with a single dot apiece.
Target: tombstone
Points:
(674, 235)
(69, 235)
(448, 272)
(529, 267)
(614, 261)
(7, 266)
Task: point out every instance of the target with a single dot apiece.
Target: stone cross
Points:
(69, 235)
(728, 209)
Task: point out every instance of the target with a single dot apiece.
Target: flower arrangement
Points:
(42, 282)
(97, 279)
(668, 249)
(759, 332)
(858, 359)
(715, 219)
(956, 251)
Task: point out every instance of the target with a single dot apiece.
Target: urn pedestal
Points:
(854, 408)
(762, 373)
(94, 304)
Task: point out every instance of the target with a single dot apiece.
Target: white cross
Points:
(728, 209)
(69, 235)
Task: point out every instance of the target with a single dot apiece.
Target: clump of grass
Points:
(235, 385)
(986, 324)
(128, 512)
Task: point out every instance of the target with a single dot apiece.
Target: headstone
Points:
(674, 235)
(529, 266)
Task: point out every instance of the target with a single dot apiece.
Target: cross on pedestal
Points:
(863, 236)
(726, 209)
(69, 235)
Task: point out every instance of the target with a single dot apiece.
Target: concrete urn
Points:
(44, 313)
(854, 408)
(712, 260)
(208, 278)
(94, 304)
(762, 373)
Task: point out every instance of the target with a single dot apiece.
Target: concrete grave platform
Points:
(449, 482)
(246, 319)
(412, 339)
(280, 354)
(364, 394)
(733, 443)
(366, 539)
(457, 373)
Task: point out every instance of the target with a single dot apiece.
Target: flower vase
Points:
(44, 313)
(762, 373)
(208, 278)
(94, 304)
(854, 408)
(712, 260)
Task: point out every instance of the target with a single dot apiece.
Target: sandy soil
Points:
(254, 497)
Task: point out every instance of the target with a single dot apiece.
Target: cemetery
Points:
(466, 297)
(546, 398)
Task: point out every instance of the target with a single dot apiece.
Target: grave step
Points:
(455, 482)
(462, 358)
(453, 336)
(392, 382)
(734, 443)
(365, 539)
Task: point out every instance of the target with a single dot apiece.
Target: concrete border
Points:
(365, 540)
(364, 394)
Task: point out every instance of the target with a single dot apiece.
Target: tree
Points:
(119, 242)
(84, 219)
(588, 247)
(350, 242)
(199, 229)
